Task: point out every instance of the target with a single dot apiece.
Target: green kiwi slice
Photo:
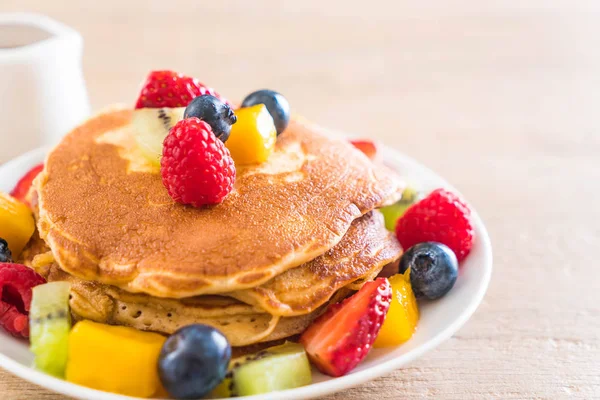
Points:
(151, 126)
(49, 326)
(276, 368)
(393, 212)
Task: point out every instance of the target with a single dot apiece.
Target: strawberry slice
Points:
(366, 146)
(22, 189)
(342, 337)
(171, 89)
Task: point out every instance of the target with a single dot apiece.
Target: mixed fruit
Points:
(176, 115)
(196, 139)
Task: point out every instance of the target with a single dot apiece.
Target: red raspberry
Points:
(16, 282)
(440, 217)
(196, 167)
(171, 89)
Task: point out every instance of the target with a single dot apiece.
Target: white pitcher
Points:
(42, 90)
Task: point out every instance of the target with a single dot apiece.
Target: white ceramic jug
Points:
(42, 90)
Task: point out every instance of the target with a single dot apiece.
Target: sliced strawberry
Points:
(342, 337)
(366, 146)
(22, 189)
(171, 89)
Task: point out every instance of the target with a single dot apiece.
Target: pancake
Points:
(37, 255)
(107, 217)
(361, 254)
(241, 323)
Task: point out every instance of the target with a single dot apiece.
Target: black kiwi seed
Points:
(232, 389)
(59, 314)
(165, 118)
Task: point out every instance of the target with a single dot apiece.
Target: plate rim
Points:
(313, 390)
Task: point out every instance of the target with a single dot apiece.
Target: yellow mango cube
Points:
(114, 359)
(16, 223)
(253, 136)
(402, 317)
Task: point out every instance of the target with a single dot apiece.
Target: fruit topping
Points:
(151, 126)
(16, 223)
(342, 337)
(196, 167)
(193, 361)
(366, 146)
(433, 269)
(115, 359)
(49, 326)
(21, 191)
(253, 137)
(403, 315)
(214, 112)
(16, 282)
(276, 104)
(276, 368)
(392, 213)
(171, 89)
(440, 217)
(5, 254)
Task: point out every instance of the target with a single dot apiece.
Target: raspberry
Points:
(16, 282)
(440, 217)
(171, 89)
(196, 167)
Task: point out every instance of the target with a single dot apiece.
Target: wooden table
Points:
(501, 97)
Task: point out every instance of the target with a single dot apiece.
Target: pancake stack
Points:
(297, 233)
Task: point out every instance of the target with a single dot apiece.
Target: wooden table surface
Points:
(501, 97)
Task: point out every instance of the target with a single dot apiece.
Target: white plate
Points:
(439, 319)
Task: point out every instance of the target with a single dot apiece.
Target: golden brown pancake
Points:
(361, 254)
(37, 255)
(241, 323)
(107, 217)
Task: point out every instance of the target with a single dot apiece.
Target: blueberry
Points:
(433, 269)
(193, 361)
(214, 112)
(5, 254)
(278, 106)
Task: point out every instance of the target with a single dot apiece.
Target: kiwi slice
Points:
(276, 368)
(49, 325)
(151, 126)
(393, 212)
